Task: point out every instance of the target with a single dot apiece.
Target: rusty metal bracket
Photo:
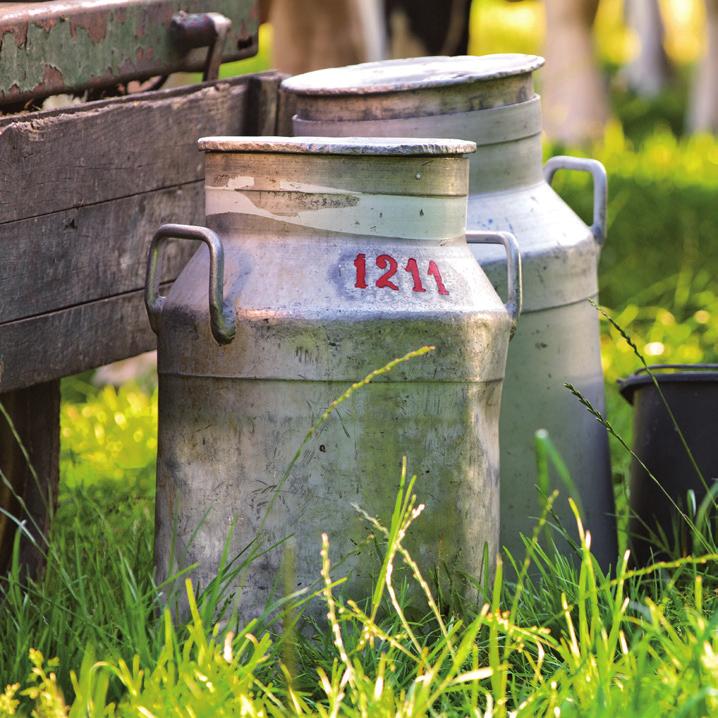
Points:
(209, 29)
(77, 45)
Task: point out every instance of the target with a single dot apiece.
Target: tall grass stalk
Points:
(573, 642)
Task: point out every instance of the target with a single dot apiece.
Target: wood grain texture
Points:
(72, 340)
(264, 100)
(35, 414)
(83, 190)
(87, 253)
(106, 150)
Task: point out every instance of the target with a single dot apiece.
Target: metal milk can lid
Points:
(488, 98)
(411, 74)
(372, 146)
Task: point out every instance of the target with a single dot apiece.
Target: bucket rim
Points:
(681, 374)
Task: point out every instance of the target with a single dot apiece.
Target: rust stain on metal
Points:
(51, 77)
(127, 67)
(19, 32)
(158, 15)
(102, 43)
(95, 24)
(144, 54)
(46, 23)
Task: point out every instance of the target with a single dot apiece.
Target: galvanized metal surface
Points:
(421, 86)
(413, 147)
(408, 75)
(514, 272)
(496, 124)
(223, 319)
(318, 309)
(72, 45)
(600, 187)
(558, 337)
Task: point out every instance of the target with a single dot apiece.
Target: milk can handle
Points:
(222, 316)
(600, 187)
(513, 268)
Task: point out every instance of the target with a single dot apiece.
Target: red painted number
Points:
(360, 264)
(434, 272)
(383, 261)
(390, 265)
(413, 268)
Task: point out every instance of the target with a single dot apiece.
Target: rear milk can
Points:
(490, 100)
(325, 261)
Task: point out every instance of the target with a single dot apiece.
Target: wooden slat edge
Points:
(66, 342)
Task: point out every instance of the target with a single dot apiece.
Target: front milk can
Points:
(321, 262)
(490, 100)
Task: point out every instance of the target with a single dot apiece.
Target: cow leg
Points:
(313, 34)
(423, 27)
(703, 106)
(648, 73)
(575, 98)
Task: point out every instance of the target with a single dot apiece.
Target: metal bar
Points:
(209, 29)
(74, 45)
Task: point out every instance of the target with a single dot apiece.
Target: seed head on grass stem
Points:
(607, 424)
(405, 513)
(627, 338)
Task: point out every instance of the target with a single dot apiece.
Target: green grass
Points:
(571, 639)
(562, 637)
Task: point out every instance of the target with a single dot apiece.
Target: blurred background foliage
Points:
(109, 438)
(657, 271)
(498, 26)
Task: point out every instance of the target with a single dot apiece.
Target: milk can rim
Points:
(414, 73)
(372, 146)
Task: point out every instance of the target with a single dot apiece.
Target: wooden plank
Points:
(35, 413)
(72, 45)
(83, 190)
(286, 102)
(106, 150)
(264, 98)
(72, 340)
(79, 255)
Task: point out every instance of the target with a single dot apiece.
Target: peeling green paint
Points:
(70, 47)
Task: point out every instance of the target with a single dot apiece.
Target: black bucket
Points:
(691, 392)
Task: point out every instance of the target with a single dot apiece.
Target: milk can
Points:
(491, 101)
(325, 261)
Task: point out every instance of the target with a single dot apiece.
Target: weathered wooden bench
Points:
(83, 189)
